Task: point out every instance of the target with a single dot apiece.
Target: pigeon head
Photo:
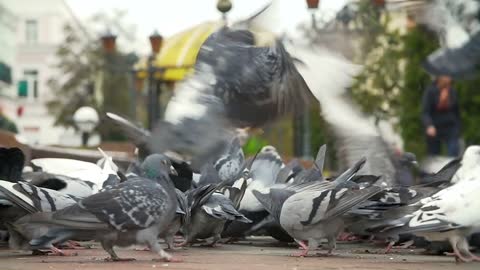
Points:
(268, 149)
(157, 165)
(408, 159)
(471, 157)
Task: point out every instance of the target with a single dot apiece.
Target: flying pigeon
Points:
(136, 211)
(241, 79)
(457, 25)
(313, 211)
(136, 133)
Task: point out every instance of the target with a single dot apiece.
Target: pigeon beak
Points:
(173, 171)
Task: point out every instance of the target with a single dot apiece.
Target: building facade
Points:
(8, 24)
(38, 32)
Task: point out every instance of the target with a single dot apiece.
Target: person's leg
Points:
(434, 146)
(453, 146)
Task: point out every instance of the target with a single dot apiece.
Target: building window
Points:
(31, 31)
(28, 87)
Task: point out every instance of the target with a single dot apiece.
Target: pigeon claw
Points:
(58, 252)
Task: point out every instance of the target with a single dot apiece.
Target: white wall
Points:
(36, 124)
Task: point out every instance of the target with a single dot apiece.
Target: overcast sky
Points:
(172, 16)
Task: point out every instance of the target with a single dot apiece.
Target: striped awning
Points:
(178, 53)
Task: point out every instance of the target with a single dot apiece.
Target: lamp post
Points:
(86, 119)
(313, 6)
(109, 41)
(154, 86)
(224, 6)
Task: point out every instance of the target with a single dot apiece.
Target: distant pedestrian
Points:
(441, 117)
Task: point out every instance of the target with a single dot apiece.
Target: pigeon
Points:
(210, 210)
(11, 164)
(313, 211)
(230, 163)
(369, 217)
(136, 133)
(241, 79)
(75, 177)
(136, 211)
(20, 199)
(469, 169)
(457, 25)
(182, 218)
(140, 137)
(449, 214)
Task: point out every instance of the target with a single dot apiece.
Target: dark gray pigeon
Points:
(313, 211)
(11, 164)
(211, 210)
(240, 79)
(136, 211)
(182, 218)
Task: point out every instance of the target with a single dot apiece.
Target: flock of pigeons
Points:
(191, 178)
(54, 202)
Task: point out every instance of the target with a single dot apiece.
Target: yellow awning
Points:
(179, 53)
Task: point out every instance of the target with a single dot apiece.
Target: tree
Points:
(91, 77)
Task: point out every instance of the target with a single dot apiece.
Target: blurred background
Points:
(126, 57)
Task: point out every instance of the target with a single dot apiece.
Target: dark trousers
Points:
(434, 145)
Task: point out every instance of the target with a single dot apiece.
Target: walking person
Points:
(441, 117)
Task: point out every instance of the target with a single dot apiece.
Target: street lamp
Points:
(154, 87)
(86, 119)
(313, 6)
(224, 6)
(108, 41)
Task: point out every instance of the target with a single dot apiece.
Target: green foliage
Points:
(469, 102)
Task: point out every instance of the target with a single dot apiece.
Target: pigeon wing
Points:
(134, 204)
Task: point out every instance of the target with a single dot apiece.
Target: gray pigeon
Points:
(136, 211)
(313, 211)
(20, 199)
(211, 210)
(240, 79)
(182, 218)
(136, 133)
(231, 162)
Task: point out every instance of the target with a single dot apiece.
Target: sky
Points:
(171, 16)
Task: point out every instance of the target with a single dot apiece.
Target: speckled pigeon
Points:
(136, 211)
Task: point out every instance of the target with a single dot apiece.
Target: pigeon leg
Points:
(58, 252)
(215, 239)
(171, 243)
(108, 247)
(457, 252)
(405, 245)
(164, 256)
(389, 247)
(72, 245)
(304, 252)
(332, 245)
